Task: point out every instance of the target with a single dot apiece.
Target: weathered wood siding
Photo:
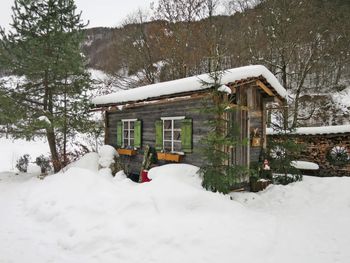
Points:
(256, 118)
(248, 96)
(149, 114)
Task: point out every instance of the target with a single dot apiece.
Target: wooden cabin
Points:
(169, 117)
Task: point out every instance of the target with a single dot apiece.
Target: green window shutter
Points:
(159, 135)
(186, 135)
(137, 134)
(119, 133)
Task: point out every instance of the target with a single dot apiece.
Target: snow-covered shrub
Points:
(44, 163)
(281, 153)
(107, 154)
(285, 179)
(109, 158)
(22, 163)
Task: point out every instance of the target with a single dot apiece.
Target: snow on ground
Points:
(11, 150)
(82, 216)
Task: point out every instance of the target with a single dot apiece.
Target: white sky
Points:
(106, 13)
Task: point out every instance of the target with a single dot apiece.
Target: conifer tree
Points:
(43, 47)
(283, 150)
(218, 172)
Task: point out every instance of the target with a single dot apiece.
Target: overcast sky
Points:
(107, 13)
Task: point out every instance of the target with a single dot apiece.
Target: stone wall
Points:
(316, 148)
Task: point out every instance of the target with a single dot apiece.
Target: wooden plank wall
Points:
(248, 118)
(148, 114)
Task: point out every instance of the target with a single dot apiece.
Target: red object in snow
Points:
(266, 165)
(144, 176)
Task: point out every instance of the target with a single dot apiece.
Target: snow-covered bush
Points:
(109, 158)
(22, 163)
(44, 163)
(285, 179)
(107, 154)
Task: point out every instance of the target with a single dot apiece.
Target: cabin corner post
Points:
(264, 124)
(106, 140)
(250, 106)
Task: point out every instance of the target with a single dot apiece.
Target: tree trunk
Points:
(51, 138)
(65, 127)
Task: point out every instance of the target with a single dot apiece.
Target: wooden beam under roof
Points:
(265, 88)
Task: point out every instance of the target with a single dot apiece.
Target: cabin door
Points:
(240, 121)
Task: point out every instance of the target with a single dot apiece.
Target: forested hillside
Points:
(304, 43)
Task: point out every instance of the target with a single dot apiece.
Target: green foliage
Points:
(44, 163)
(285, 179)
(282, 153)
(217, 171)
(44, 48)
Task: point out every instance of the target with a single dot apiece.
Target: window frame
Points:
(129, 129)
(172, 130)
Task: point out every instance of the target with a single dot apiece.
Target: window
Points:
(128, 133)
(172, 134)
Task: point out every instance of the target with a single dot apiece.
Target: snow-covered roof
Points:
(189, 84)
(316, 130)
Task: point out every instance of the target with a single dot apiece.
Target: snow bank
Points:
(34, 169)
(89, 161)
(189, 84)
(310, 219)
(107, 154)
(80, 216)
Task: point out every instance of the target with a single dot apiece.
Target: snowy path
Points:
(81, 217)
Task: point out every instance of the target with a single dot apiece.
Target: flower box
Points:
(258, 185)
(129, 152)
(171, 157)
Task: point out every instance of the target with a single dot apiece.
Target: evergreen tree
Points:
(44, 47)
(283, 150)
(217, 172)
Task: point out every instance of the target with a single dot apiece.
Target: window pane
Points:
(177, 146)
(126, 134)
(167, 124)
(131, 142)
(126, 125)
(177, 135)
(132, 135)
(167, 146)
(167, 135)
(132, 125)
(126, 143)
(177, 124)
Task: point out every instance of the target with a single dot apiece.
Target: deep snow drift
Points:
(81, 216)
